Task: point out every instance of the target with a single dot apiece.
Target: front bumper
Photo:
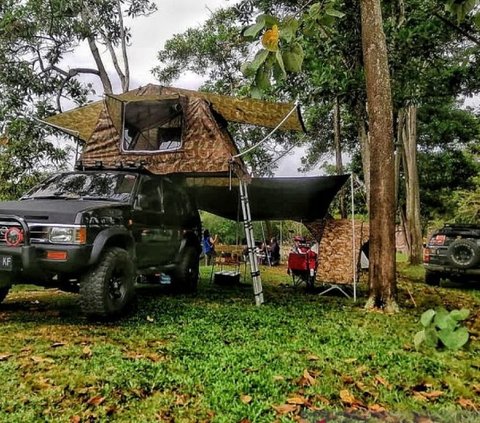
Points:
(32, 259)
(38, 260)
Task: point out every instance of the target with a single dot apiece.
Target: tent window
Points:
(152, 126)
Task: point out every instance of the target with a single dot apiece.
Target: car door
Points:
(148, 225)
(172, 215)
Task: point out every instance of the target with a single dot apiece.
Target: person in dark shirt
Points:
(274, 250)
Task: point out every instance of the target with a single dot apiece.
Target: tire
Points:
(108, 288)
(463, 253)
(3, 292)
(185, 277)
(432, 278)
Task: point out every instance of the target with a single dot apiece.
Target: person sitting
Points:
(298, 245)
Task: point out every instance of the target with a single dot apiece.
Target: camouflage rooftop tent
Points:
(172, 130)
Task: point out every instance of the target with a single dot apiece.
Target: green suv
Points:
(98, 232)
(453, 252)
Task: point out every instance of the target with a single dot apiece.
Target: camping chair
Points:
(303, 264)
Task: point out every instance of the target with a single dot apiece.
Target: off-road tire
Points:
(108, 288)
(185, 277)
(432, 278)
(4, 292)
(463, 253)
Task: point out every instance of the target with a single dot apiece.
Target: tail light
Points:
(438, 240)
(426, 255)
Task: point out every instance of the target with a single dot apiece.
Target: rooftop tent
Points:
(299, 198)
(171, 130)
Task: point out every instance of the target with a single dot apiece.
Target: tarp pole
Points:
(247, 223)
(354, 264)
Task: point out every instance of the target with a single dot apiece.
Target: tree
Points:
(382, 278)
(35, 38)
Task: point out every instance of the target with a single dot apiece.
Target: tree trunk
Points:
(338, 154)
(364, 149)
(107, 85)
(382, 281)
(412, 189)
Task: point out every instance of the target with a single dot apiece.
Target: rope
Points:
(269, 134)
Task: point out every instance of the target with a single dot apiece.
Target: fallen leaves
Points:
(5, 357)
(308, 379)
(96, 400)
(424, 392)
(246, 399)
(467, 404)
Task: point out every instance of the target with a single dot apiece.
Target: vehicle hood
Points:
(53, 211)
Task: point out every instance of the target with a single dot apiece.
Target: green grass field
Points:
(217, 357)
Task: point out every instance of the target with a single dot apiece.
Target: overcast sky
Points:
(148, 37)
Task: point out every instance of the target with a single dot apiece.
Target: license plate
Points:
(6, 263)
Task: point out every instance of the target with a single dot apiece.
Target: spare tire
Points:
(464, 253)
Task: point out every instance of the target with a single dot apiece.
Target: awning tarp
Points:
(298, 198)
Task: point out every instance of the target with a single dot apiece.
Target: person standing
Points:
(209, 246)
(274, 249)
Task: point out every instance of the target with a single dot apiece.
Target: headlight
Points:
(67, 235)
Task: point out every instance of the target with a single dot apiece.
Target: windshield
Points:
(112, 186)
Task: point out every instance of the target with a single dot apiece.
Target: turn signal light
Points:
(56, 255)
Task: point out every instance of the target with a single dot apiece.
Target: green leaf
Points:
(335, 13)
(259, 59)
(427, 317)
(419, 338)
(293, 58)
(288, 29)
(459, 315)
(246, 69)
(262, 78)
(454, 340)
(253, 30)
(256, 92)
(278, 56)
(431, 337)
(443, 320)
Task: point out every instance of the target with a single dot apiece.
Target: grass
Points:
(217, 357)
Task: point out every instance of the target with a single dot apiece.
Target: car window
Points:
(149, 197)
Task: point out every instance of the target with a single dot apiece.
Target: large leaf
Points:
(419, 338)
(289, 29)
(262, 78)
(333, 12)
(460, 315)
(250, 69)
(443, 320)
(293, 58)
(427, 317)
(454, 340)
(253, 30)
(431, 337)
(259, 59)
(281, 65)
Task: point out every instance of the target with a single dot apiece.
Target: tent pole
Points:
(247, 222)
(354, 264)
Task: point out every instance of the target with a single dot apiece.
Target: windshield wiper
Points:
(91, 197)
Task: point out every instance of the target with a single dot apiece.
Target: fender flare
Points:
(107, 234)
